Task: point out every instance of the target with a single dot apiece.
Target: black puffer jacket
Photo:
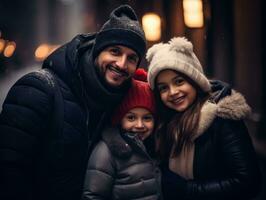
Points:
(120, 168)
(48, 122)
(224, 164)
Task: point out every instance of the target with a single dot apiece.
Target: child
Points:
(120, 166)
(204, 146)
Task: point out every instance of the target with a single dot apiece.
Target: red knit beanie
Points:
(139, 95)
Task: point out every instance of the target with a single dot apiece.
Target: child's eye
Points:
(130, 117)
(148, 118)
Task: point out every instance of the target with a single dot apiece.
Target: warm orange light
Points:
(151, 23)
(10, 48)
(2, 45)
(193, 13)
(43, 51)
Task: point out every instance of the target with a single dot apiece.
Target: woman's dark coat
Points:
(225, 165)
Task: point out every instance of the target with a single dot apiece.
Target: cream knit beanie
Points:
(177, 55)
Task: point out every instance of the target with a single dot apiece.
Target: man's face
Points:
(117, 64)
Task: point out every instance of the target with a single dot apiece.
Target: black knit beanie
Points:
(123, 28)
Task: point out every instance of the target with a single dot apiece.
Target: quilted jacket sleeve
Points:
(242, 177)
(22, 122)
(100, 174)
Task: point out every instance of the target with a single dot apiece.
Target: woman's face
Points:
(139, 121)
(175, 91)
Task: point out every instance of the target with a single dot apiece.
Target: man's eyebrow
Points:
(135, 55)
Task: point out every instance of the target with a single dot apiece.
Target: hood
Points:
(68, 63)
(64, 61)
(232, 106)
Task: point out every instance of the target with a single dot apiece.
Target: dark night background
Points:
(231, 44)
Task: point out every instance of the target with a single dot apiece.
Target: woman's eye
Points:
(179, 81)
(162, 88)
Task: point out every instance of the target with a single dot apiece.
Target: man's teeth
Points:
(120, 73)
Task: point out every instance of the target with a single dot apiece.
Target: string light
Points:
(9, 49)
(151, 23)
(193, 13)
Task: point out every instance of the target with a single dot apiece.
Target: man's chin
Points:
(115, 83)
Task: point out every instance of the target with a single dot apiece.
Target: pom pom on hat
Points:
(181, 44)
(151, 51)
(140, 74)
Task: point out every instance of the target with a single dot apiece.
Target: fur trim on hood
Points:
(232, 107)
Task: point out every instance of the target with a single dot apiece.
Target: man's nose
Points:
(122, 62)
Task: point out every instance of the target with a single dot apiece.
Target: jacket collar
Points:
(123, 144)
(233, 107)
(97, 92)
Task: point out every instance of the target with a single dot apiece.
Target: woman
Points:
(204, 145)
(120, 166)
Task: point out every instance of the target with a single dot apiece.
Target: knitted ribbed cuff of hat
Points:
(122, 28)
(176, 55)
(122, 37)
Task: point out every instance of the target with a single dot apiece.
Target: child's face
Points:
(175, 91)
(139, 121)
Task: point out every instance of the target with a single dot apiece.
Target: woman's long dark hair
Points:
(175, 130)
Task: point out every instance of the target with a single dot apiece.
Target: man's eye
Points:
(133, 59)
(114, 51)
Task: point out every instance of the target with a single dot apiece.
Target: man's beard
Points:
(101, 74)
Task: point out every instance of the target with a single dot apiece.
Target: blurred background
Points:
(228, 37)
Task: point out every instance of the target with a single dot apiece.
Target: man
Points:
(52, 117)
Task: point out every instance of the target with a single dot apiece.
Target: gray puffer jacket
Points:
(120, 168)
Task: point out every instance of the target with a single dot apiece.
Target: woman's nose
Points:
(173, 90)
